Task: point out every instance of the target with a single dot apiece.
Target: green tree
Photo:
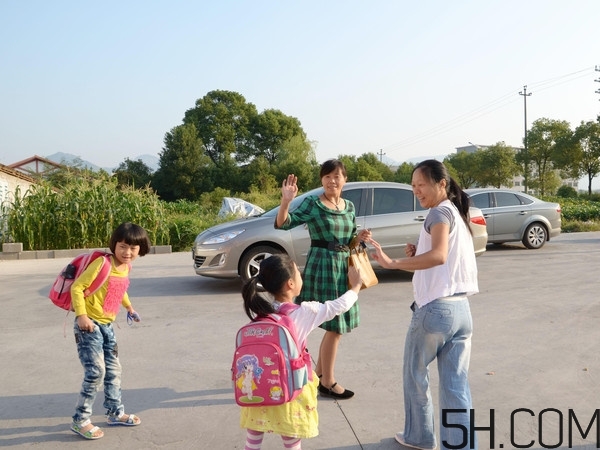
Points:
(223, 122)
(133, 173)
(404, 173)
(366, 167)
(297, 156)
(580, 153)
(464, 167)
(184, 171)
(269, 133)
(497, 166)
(543, 143)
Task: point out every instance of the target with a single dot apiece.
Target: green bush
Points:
(566, 192)
(577, 209)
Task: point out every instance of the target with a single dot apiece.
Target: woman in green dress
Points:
(332, 226)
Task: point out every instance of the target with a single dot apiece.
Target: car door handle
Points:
(523, 213)
(420, 218)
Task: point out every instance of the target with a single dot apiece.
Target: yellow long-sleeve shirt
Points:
(92, 306)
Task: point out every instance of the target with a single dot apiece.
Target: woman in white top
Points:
(441, 326)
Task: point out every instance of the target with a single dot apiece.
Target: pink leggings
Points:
(254, 441)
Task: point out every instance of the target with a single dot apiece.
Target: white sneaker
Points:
(400, 440)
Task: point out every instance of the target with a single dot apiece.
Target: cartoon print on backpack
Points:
(268, 355)
(248, 373)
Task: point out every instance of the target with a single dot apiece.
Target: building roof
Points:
(17, 174)
(34, 165)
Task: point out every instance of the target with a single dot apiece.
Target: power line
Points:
(488, 108)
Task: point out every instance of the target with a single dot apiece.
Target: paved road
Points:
(535, 348)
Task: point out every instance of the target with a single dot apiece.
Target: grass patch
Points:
(575, 226)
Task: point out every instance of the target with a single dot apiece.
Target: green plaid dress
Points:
(325, 275)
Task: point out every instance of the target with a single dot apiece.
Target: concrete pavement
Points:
(534, 359)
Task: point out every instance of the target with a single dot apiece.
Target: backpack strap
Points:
(284, 310)
(101, 277)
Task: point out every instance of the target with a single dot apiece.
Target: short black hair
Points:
(331, 165)
(131, 234)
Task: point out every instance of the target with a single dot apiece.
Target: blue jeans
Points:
(441, 329)
(99, 356)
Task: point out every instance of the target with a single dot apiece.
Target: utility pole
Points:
(526, 172)
(381, 155)
(598, 80)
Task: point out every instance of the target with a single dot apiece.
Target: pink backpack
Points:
(60, 293)
(270, 366)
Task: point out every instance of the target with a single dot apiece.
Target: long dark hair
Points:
(274, 272)
(436, 172)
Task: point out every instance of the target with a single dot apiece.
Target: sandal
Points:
(132, 420)
(90, 434)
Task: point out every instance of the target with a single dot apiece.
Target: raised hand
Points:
(289, 188)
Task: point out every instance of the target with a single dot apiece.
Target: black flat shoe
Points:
(328, 392)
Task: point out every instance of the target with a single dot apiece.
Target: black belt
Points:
(329, 246)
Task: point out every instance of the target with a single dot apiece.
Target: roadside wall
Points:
(13, 252)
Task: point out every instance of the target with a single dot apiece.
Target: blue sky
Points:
(107, 80)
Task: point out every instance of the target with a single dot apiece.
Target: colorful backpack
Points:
(270, 366)
(60, 293)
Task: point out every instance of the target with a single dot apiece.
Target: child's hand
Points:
(410, 250)
(133, 316)
(84, 323)
(354, 278)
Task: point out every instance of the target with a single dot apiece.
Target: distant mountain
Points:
(151, 161)
(70, 159)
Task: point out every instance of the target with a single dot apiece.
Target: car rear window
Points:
(481, 200)
(509, 199)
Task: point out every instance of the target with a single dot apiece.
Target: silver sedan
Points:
(389, 209)
(515, 216)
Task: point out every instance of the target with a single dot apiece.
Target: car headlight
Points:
(223, 237)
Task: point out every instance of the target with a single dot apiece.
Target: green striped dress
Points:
(325, 275)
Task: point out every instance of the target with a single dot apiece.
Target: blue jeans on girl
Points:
(441, 329)
(99, 356)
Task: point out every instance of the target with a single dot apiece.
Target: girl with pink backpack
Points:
(280, 277)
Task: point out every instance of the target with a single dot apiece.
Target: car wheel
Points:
(250, 262)
(535, 236)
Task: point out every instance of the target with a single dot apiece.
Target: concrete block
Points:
(69, 253)
(16, 247)
(29, 254)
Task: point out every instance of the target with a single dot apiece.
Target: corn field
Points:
(83, 214)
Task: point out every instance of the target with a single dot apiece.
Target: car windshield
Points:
(295, 203)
